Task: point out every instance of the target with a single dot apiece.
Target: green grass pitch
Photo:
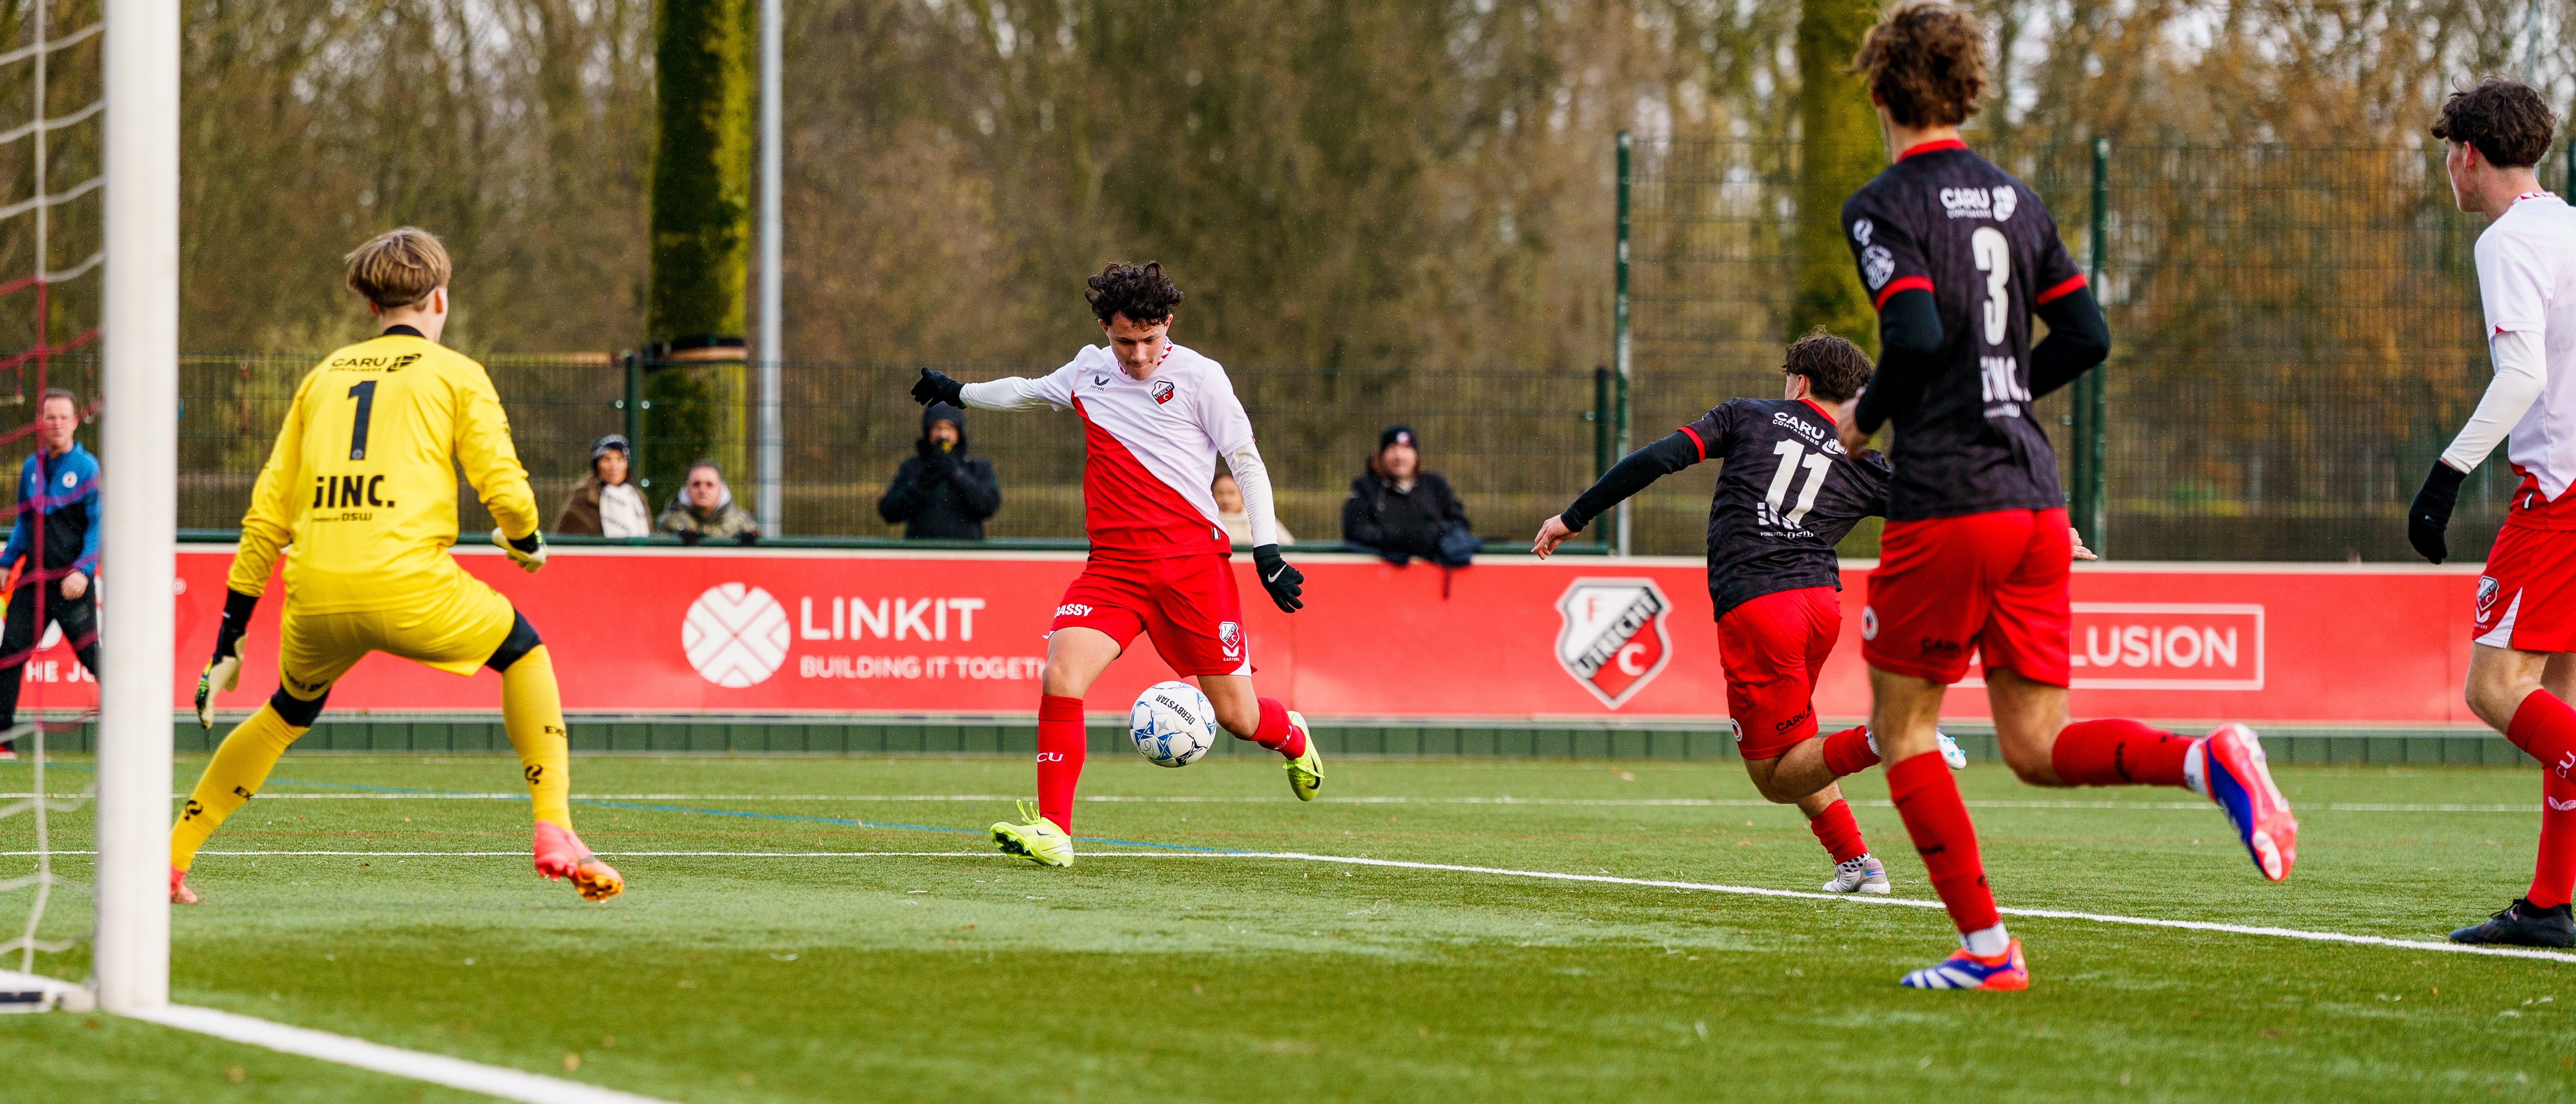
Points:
(1178, 975)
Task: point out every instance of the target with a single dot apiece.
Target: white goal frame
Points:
(140, 385)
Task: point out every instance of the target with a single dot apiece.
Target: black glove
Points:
(228, 633)
(2431, 513)
(223, 672)
(690, 537)
(937, 387)
(1283, 582)
(747, 537)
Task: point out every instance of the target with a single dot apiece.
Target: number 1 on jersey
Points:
(365, 393)
(1816, 465)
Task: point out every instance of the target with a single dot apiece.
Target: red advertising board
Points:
(736, 632)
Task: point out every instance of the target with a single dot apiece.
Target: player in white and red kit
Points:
(2522, 668)
(1959, 258)
(1155, 418)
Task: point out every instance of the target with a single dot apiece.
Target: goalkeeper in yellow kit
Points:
(361, 493)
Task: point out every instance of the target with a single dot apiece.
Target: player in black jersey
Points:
(1786, 495)
(1957, 256)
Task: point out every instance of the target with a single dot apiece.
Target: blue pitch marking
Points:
(731, 813)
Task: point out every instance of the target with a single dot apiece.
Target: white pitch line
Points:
(1549, 875)
(1617, 803)
(437, 1069)
(2051, 914)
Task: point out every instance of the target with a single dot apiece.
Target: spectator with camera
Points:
(1397, 511)
(940, 492)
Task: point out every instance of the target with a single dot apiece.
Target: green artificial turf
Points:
(1176, 974)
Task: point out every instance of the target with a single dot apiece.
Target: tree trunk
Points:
(701, 228)
(1840, 150)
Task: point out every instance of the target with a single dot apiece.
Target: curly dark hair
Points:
(1141, 292)
(1926, 62)
(1835, 369)
(2507, 121)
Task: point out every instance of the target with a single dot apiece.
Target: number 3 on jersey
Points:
(1790, 453)
(1993, 254)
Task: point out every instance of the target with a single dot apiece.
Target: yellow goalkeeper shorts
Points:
(454, 629)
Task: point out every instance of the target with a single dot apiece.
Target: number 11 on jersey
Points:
(1790, 453)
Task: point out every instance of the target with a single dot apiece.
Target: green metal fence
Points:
(1518, 444)
(2296, 334)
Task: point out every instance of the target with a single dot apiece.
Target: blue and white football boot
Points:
(2006, 971)
(2239, 779)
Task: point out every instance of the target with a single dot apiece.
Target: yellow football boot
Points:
(1305, 772)
(1036, 839)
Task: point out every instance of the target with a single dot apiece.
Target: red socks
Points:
(1847, 752)
(1928, 798)
(2546, 728)
(2553, 878)
(1840, 834)
(1276, 733)
(1060, 740)
(2118, 753)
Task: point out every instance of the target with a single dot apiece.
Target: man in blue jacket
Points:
(56, 534)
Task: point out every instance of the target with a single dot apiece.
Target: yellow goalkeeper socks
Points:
(238, 768)
(532, 710)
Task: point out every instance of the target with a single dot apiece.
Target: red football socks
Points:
(1840, 834)
(2118, 753)
(1276, 733)
(1848, 753)
(1060, 741)
(2546, 728)
(1928, 798)
(2553, 878)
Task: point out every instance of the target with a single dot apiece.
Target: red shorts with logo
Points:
(1774, 647)
(1187, 604)
(1992, 583)
(2527, 597)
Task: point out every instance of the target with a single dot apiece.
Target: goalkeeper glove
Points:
(223, 672)
(2431, 512)
(937, 387)
(529, 552)
(1285, 583)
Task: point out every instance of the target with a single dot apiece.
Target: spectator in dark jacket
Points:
(940, 493)
(1398, 511)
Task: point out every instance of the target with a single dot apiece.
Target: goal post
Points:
(140, 385)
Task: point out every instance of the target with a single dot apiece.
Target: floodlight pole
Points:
(1619, 343)
(138, 554)
(771, 48)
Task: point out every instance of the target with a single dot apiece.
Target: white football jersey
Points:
(1150, 445)
(2527, 279)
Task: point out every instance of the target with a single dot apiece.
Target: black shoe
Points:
(2522, 925)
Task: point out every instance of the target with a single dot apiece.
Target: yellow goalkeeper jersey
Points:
(361, 488)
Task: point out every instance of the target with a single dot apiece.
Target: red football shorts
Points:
(1187, 604)
(2527, 597)
(1991, 583)
(1774, 647)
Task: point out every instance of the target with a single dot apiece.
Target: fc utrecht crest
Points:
(1613, 640)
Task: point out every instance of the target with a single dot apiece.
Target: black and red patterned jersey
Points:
(1786, 495)
(1948, 222)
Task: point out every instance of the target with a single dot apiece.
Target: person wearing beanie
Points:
(605, 503)
(1398, 511)
(940, 492)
